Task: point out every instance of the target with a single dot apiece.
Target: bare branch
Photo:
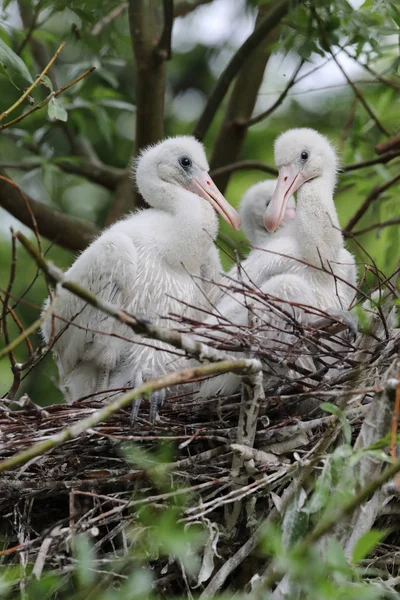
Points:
(355, 89)
(240, 107)
(244, 165)
(184, 7)
(392, 144)
(381, 225)
(107, 19)
(164, 44)
(123, 401)
(272, 19)
(70, 232)
(372, 196)
(381, 160)
(279, 100)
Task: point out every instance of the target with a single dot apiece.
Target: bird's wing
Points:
(108, 268)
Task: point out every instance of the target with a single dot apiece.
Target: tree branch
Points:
(284, 93)
(380, 160)
(355, 89)
(184, 7)
(70, 232)
(382, 225)
(389, 145)
(179, 377)
(244, 165)
(271, 20)
(372, 196)
(241, 103)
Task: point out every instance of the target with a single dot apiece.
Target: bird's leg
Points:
(344, 317)
(156, 402)
(137, 381)
(348, 319)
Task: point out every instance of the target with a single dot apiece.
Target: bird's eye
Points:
(185, 162)
(304, 155)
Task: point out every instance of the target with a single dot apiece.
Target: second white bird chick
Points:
(252, 208)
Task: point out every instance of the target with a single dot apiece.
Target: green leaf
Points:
(295, 521)
(84, 554)
(331, 408)
(367, 543)
(47, 82)
(56, 111)
(12, 65)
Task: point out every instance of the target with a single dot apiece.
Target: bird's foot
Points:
(157, 399)
(348, 320)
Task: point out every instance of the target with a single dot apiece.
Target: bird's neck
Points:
(194, 227)
(318, 228)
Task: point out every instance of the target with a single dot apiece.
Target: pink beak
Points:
(290, 179)
(203, 186)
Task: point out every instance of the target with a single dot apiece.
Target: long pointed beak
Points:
(290, 212)
(203, 186)
(290, 178)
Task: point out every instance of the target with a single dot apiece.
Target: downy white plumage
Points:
(306, 262)
(145, 264)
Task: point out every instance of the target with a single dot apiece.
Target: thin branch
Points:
(280, 99)
(46, 100)
(164, 44)
(240, 106)
(382, 225)
(107, 19)
(245, 165)
(184, 7)
(216, 97)
(70, 232)
(177, 378)
(391, 144)
(372, 196)
(355, 89)
(370, 71)
(34, 84)
(380, 160)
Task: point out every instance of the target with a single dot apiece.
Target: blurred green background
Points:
(101, 111)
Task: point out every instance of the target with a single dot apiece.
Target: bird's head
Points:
(180, 161)
(253, 206)
(301, 155)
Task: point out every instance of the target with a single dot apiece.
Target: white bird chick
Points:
(145, 264)
(252, 209)
(306, 263)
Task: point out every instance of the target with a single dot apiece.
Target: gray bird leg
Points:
(137, 381)
(348, 319)
(156, 402)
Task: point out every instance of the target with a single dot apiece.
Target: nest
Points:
(232, 473)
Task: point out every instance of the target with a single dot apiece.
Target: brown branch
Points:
(355, 89)
(371, 71)
(372, 196)
(70, 232)
(176, 378)
(380, 160)
(184, 7)
(150, 73)
(244, 165)
(164, 44)
(269, 23)
(240, 107)
(389, 145)
(107, 19)
(284, 93)
(382, 225)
